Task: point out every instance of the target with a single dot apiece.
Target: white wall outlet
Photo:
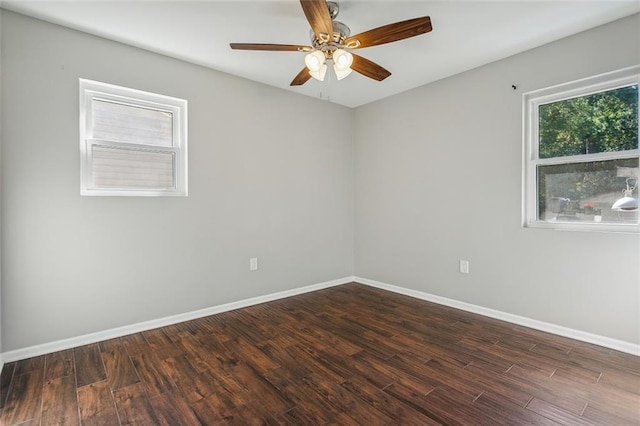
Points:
(253, 264)
(464, 266)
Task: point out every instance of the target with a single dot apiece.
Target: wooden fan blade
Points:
(390, 33)
(302, 77)
(270, 47)
(317, 13)
(369, 68)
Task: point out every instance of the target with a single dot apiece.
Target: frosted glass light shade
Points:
(342, 59)
(320, 73)
(314, 60)
(341, 73)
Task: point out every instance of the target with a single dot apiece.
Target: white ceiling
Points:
(466, 34)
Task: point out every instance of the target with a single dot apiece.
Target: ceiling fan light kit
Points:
(330, 38)
(316, 63)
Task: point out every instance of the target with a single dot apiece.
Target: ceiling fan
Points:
(331, 40)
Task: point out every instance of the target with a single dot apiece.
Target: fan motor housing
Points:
(340, 31)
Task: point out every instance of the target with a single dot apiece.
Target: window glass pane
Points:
(585, 192)
(115, 167)
(131, 124)
(600, 122)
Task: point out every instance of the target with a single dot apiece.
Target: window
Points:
(132, 143)
(581, 154)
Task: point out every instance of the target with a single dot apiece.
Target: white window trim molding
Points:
(90, 90)
(530, 161)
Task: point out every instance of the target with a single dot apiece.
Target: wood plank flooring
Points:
(346, 355)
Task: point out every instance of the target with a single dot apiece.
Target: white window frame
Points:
(531, 161)
(90, 90)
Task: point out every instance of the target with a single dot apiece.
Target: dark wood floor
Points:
(346, 355)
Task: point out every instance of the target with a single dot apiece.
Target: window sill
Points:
(617, 228)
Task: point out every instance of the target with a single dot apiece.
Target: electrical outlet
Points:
(464, 266)
(253, 264)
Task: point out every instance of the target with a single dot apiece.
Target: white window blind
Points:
(132, 142)
(115, 167)
(132, 124)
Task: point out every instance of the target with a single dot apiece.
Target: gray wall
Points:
(260, 184)
(438, 179)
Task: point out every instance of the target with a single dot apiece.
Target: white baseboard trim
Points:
(45, 348)
(36, 350)
(607, 342)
